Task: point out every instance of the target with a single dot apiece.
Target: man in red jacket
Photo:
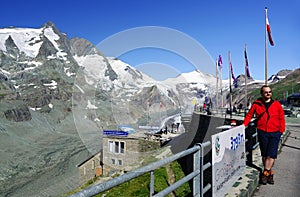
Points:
(270, 126)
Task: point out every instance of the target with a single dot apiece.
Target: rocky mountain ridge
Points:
(63, 92)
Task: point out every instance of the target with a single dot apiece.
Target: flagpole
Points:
(266, 48)
(246, 76)
(230, 90)
(221, 87)
(217, 82)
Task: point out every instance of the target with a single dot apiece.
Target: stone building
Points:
(91, 167)
(125, 153)
(118, 154)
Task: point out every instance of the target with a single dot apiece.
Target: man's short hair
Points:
(262, 88)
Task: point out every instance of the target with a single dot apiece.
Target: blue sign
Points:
(115, 133)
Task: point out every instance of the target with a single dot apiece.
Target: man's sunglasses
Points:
(268, 92)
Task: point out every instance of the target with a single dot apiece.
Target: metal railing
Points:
(196, 175)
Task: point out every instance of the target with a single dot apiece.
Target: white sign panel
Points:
(228, 159)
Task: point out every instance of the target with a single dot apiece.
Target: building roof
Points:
(80, 164)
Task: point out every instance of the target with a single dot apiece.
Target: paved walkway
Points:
(287, 168)
(287, 171)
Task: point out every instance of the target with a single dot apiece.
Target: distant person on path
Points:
(235, 107)
(270, 126)
(177, 126)
(240, 107)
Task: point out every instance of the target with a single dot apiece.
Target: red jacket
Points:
(268, 121)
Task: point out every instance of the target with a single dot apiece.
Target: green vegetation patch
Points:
(185, 189)
(135, 187)
(140, 186)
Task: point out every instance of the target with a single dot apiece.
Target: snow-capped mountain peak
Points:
(28, 40)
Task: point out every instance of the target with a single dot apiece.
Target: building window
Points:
(93, 164)
(116, 147)
(122, 147)
(110, 146)
(120, 162)
(113, 161)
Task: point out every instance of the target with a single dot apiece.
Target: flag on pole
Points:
(232, 76)
(269, 30)
(247, 65)
(231, 71)
(220, 62)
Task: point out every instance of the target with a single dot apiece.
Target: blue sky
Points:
(218, 26)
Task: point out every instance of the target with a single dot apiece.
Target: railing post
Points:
(151, 183)
(201, 170)
(197, 166)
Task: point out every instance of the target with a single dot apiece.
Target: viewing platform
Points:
(203, 126)
(287, 172)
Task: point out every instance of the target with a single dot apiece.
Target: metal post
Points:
(201, 170)
(217, 83)
(221, 87)
(230, 89)
(197, 179)
(266, 49)
(151, 183)
(246, 87)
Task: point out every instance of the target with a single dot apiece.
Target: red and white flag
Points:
(269, 29)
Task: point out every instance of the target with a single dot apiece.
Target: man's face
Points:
(267, 93)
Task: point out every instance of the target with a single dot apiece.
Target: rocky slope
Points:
(56, 96)
(38, 135)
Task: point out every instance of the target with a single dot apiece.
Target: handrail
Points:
(197, 150)
(197, 174)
